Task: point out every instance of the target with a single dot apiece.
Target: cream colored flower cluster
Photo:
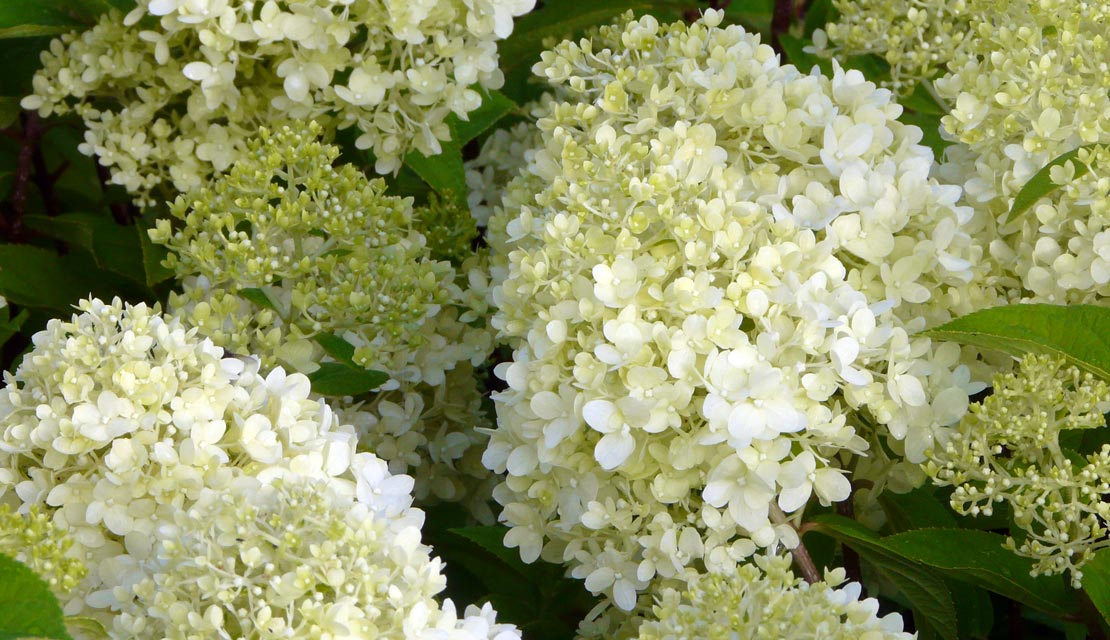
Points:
(186, 477)
(1025, 85)
(1029, 87)
(766, 600)
(172, 92)
(287, 249)
(1008, 449)
(917, 38)
(713, 268)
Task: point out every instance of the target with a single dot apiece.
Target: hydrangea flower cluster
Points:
(290, 559)
(711, 271)
(1008, 449)
(915, 37)
(37, 542)
(1022, 96)
(1026, 85)
(287, 248)
(183, 475)
(766, 600)
(188, 81)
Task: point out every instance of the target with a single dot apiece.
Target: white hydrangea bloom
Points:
(145, 443)
(298, 558)
(712, 269)
(1022, 95)
(766, 600)
(173, 91)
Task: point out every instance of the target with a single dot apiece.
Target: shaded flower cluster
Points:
(711, 269)
(37, 542)
(765, 600)
(185, 477)
(287, 252)
(917, 38)
(172, 92)
(1009, 450)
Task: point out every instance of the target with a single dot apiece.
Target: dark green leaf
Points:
(258, 297)
(154, 255)
(923, 101)
(930, 130)
(444, 172)
(492, 540)
(1078, 333)
(112, 246)
(925, 591)
(337, 347)
(793, 46)
(1096, 582)
(1041, 184)
(11, 326)
(917, 509)
(339, 379)
(978, 558)
(29, 18)
(974, 610)
(9, 111)
(27, 607)
(495, 105)
(35, 277)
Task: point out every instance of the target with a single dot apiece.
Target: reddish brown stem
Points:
(781, 19)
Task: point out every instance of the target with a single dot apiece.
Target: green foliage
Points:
(1042, 184)
(444, 172)
(27, 607)
(1079, 333)
(923, 589)
(545, 604)
(1096, 583)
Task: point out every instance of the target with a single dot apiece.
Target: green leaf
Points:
(978, 558)
(930, 130)
(792, 47)
(1096, 582)
(340, 379)
(35, 277)
(9, 111)
(492, 539)
(258, 297)
(1041, 184)
(30, 18)
(27, 606)
(154, 255)
(336, 347)
(974, 610)
(445, 172)
(10, 326)
(916, 509)
(1078, 333)
(113, 247)
(495, 105)
(925, 591)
